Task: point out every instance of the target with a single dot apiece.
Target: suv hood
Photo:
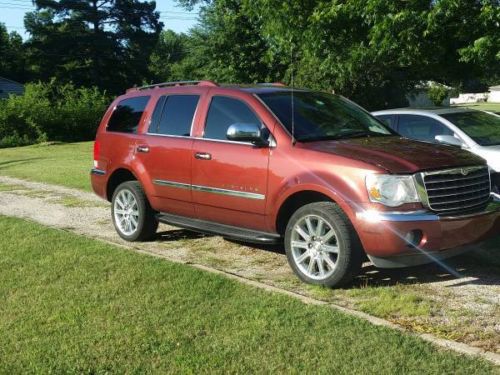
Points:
(396, 154)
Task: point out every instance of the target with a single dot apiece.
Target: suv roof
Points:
(252, 88)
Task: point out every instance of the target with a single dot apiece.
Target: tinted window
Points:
(388, 120)
(484, 128)
(421, 128)
(321, 116)
(177, 115)
(224, 112)
(127, 114)
(155, 118)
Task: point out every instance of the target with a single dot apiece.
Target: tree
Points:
(11, 55)
(92, 42)
(373, 51)
(437, 94)
(170, 50)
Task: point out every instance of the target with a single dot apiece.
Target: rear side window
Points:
(127, 114)
(223, 113)
(174, 114)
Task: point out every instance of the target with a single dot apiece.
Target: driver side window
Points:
(224, 112)
(421, 128)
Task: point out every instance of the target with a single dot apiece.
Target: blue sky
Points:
(173, 16)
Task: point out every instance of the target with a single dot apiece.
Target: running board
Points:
(227, 231)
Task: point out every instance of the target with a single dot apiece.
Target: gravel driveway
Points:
(465, 309)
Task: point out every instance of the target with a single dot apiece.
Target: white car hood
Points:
(491, 154)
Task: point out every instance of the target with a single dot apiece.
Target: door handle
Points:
(203, 156)
(142, 148)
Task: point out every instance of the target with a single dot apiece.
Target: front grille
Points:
(460, 189)
(495, 182)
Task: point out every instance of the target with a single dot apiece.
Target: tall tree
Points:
(11, 55)
(168, 53)
(228, 45)
(92, 42)
(373, 51)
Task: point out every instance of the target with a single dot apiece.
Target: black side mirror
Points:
(252, 133)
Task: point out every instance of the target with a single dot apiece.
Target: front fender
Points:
(339, 188)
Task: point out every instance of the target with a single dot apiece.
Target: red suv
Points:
(268, 164)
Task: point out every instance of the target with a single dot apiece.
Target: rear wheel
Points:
(321, 245)
(133, 217)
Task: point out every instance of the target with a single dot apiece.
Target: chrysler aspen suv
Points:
(271, 164)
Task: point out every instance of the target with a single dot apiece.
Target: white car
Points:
(476, 131)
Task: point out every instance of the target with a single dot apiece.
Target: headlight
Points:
(391, 190)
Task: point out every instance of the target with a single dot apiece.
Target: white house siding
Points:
(494, 96)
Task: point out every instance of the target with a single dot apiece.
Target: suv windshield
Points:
(321, 116)
(482, 127)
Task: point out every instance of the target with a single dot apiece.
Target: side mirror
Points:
(241, 132)
(449, 140)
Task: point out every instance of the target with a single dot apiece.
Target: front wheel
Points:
(133, 217)
(321, 245)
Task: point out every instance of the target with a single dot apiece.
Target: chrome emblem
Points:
(464, 172)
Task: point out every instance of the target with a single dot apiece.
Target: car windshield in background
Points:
(482, 127)
(321, 116)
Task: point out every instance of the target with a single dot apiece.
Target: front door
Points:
(229, 178)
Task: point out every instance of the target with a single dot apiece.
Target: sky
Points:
(173, 16)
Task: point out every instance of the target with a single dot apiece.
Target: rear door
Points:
(166, 152)
(229, 178)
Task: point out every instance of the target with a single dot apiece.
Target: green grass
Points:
(390, 302)
(72, 304)
(482, 106)
(66, 164)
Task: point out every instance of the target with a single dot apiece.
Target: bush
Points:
(437, 93)
(51, 112)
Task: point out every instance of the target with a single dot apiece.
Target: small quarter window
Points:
(127, 115)
(223, 113)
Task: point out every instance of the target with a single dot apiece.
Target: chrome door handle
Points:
(142, 148)
(203, 156)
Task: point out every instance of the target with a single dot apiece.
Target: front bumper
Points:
(401, 239)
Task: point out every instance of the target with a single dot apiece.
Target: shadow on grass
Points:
(9, 163)
(179, 234)
(480, 267)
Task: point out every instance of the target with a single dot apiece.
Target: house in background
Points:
(419, 97)
(494, 95)
(8, 87)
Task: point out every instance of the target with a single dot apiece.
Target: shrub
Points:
(437, 93)
(51, 112)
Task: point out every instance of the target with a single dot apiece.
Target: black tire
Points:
(147, 224)
(347, 260)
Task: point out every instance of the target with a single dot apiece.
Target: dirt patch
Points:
(425, 299)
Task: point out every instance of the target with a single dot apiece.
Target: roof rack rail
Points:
(280, 84)
(175, 83)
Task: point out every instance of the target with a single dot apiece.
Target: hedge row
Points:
(51, 112)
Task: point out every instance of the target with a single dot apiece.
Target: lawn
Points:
(66, 164)
(72, 304)
(495, 107)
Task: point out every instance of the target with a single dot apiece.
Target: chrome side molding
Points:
(209, 189)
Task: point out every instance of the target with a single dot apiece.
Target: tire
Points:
(334, 258)
(132, 215)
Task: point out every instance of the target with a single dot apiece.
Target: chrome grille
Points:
(459, 189)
